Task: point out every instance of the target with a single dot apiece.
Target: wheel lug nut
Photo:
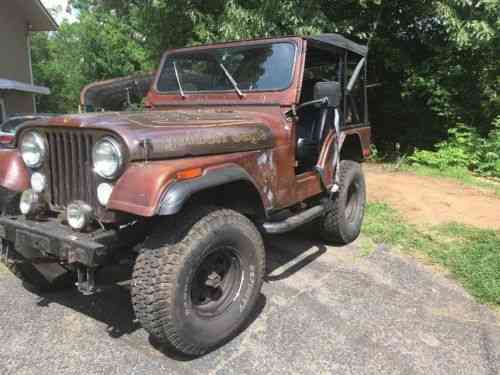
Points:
(213, 280)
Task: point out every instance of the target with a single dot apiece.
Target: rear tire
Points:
(195, 286)
(343, 220)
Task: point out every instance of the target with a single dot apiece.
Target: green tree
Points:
(437, 60)
(99, 46)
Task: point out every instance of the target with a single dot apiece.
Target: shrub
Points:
(489, 164)
(466, 149)
(459, 150)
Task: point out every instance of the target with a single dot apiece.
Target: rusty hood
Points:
(174, 133)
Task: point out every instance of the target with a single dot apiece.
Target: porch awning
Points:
(7, 84)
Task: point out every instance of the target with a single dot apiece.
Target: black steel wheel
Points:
(342, 222)
(216, 282)
(195, 287)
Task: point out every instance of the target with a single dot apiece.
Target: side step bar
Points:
(294, 221)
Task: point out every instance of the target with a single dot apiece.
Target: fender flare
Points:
(14, 174)
(179, 192)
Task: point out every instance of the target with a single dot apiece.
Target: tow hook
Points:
(86, 280)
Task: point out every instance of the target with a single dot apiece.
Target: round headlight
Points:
(78, 215)
(33, 149)
(38, 182)
(107, 156)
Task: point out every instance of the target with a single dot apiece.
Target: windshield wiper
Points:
(232, 80)
(178, 79)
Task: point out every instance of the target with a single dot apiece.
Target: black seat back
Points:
(329, 89)
(315, 121)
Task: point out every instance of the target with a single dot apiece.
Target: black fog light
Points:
(79, 215)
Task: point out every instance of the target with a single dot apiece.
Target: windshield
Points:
(264, 67)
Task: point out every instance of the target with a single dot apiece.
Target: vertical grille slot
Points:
(70, 167)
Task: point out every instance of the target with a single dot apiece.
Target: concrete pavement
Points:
(323, 310)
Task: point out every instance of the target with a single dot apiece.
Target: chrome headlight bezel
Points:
(40, 144)
(117, 154)
(79, 215)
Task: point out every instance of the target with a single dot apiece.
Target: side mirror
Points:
(331, 90)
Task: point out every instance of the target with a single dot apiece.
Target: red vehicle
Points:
(238, 139)
(8, 127)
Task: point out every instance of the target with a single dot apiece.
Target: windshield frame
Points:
(229, 45)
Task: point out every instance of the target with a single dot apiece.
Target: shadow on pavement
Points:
(171, 352)
(286, 255)
(289, 253)
(110, 306)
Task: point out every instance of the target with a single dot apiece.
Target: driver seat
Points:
(315, 122)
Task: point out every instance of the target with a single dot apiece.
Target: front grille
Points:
(70, 174)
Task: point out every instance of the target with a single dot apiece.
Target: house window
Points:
(3, 116)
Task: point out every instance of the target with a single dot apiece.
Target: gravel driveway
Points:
(322, 310)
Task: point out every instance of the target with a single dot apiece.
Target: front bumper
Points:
(50, 239)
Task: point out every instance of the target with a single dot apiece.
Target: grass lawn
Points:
(471, 255)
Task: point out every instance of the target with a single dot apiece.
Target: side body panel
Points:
(142, 186)
(309, 184)
(363, 134)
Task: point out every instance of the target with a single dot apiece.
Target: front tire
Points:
(344, 218)
(195, 286)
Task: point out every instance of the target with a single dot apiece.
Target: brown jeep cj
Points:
(238, 139)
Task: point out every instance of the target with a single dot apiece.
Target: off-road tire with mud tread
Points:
(164, 270)
(340, 225)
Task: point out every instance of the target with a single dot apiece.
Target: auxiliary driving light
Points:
(38, 182)
(104, 191)
(30, 203)
(78, 215)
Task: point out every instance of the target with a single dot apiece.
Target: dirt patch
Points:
(431, 200)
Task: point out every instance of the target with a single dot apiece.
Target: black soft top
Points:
(340, 41)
